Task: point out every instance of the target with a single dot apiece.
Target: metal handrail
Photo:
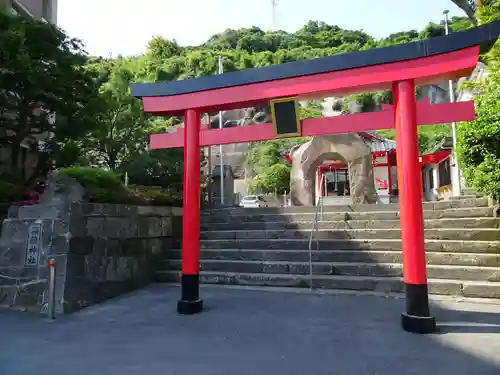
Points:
(313, 234)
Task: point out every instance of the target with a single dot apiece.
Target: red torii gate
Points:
(399, 68)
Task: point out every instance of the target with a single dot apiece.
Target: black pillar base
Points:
(189, 307)
(417, 318)
(418, 324)
(190, 302)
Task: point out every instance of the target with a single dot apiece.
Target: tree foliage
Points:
(119, 139)
(274, 178)
(122, 125)
(479, 150)
(469, 7)
(41, 75)
(99, 124)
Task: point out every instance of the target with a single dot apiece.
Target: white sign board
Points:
(33, 244)
(381, 159)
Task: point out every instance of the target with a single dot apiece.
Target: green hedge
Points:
(157, 196)
(94, 178)
(103, 186)
(10, 192)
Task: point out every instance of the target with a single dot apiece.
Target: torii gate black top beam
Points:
(484, 36)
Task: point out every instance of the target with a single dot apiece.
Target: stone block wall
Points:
(101, 250)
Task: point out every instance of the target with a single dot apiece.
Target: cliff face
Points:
(479, 74)
(235, 154)
(34, 8)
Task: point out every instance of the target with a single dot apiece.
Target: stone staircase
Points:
(359, 248)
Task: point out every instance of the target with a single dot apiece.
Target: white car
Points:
(253, 201)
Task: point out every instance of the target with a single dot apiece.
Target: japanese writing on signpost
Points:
(33, 245)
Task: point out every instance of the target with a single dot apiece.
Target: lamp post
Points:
(221, 71)
(455, 170)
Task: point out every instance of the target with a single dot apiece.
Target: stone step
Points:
(474, 289)
(257, 216)
(343, 256)
(473, 273)
(476, 234)
(441, 205)
(484, 247)
(469, 191)
(468, 196)
(482, 222)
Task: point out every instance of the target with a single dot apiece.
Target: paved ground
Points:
(251, 332)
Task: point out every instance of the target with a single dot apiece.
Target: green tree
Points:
(275, 178)
(162, 168)
(122, 128)
(431, 137)
(469, 7)
(42, 76)
(262, 155)
(479, 140)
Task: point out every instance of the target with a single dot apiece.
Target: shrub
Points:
(274, 178)
(93, 178)
(10, 192)
(479, 146)
(479, 140)
(157, 196)
(103, 186)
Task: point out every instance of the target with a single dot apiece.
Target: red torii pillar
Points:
(190, 302)
(416, 317)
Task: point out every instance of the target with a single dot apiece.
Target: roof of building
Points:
(377, 142)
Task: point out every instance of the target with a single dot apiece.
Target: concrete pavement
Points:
(251, 332)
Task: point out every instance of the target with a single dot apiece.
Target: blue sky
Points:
(111, 27)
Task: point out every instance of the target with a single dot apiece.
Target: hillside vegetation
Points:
(101, 126)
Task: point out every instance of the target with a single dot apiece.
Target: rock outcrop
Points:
(241, 117)
(348, 147)
(234, 155)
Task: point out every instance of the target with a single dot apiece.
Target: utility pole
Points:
(274, 5)
(209, 165)
(221, 71)
(455, 170)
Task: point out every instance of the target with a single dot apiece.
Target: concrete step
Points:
(257, 216)
(476, 234)
(471, 273)
(474, 289)
(441, 205)
(342, 256)
(468, 191)
(468, 196)
(482, 222)
(484, 247)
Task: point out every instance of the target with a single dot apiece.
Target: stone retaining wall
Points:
(102, 251)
